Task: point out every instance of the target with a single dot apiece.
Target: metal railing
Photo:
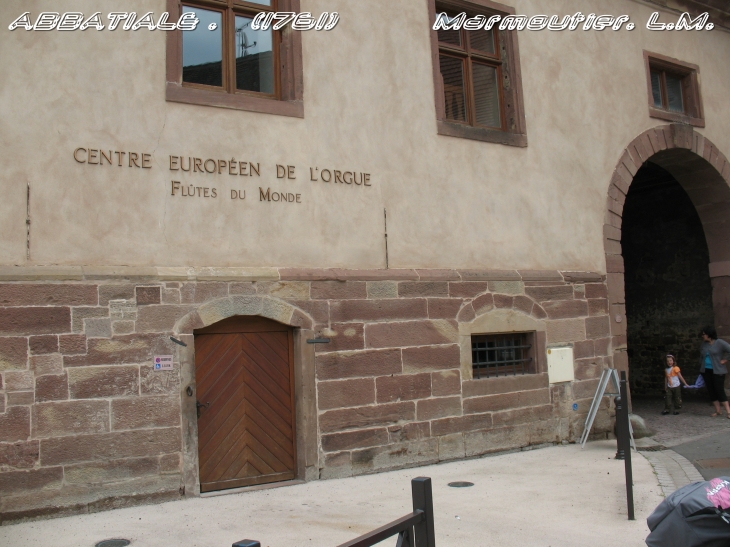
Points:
(413, 530)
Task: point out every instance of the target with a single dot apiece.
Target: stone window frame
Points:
(515, 133)
(503, 321)
(689, 72)
(290, 99)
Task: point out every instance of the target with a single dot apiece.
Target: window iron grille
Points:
(500, 355)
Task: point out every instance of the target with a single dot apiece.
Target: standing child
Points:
(673, 396)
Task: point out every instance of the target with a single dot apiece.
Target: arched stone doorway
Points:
(220, 312)
(703, 173)
(244, 385)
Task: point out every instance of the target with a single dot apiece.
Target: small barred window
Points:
(509, 354)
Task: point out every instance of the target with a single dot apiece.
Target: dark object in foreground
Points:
(623, 441)
(414, 529)
(697, 515)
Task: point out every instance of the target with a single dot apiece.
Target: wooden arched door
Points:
(244, 373)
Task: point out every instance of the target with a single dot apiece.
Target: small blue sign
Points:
(575, 406)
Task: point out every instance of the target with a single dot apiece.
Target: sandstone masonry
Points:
(86, 424)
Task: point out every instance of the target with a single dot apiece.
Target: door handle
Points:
(199, 405)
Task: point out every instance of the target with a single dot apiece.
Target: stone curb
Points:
(673, 470)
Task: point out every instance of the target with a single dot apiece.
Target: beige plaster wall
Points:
(369, 106)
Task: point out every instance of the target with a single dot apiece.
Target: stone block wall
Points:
(87, 424)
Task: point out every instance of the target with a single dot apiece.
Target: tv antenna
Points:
(242, 38)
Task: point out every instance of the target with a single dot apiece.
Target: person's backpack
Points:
(697, 515)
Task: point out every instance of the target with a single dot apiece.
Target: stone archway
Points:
(305, 393)
(704, 173)
(222, 308)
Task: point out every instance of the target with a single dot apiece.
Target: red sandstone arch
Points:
(704, 173)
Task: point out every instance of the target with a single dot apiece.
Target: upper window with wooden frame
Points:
(477, 76)
(226, 63)
(674, 90)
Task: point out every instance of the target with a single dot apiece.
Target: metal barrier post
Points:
(419, 523)
(620, 448)
(423, 501)
(626, 445)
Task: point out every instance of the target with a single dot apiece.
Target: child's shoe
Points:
(665, 412)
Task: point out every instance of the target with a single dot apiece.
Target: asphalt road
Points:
(710, 455)
(694, 434)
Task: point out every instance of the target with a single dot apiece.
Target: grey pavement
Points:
(710, 455)
(689, 447)
(558, 496)
(693, 422)
(555, 496)
(672, 469)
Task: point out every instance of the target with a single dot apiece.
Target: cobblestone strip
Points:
(673, 471)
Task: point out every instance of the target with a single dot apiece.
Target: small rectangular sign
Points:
(163, 362)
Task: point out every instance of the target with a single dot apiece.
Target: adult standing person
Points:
(713, 367)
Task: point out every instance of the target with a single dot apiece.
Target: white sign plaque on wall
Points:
(163, 362)
(560, 365)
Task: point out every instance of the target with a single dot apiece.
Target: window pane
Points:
(486, 96)
(674, 93)
(262, 2)
(656, 88)
(254, 57)
(482, 40)
(452, 37)
(452, 71)
(203, 49)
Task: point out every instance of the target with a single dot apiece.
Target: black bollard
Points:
(627, 445)
(423, 501)
(620, 449)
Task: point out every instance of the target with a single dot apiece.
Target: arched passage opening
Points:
(668, 287)
(647, 257)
